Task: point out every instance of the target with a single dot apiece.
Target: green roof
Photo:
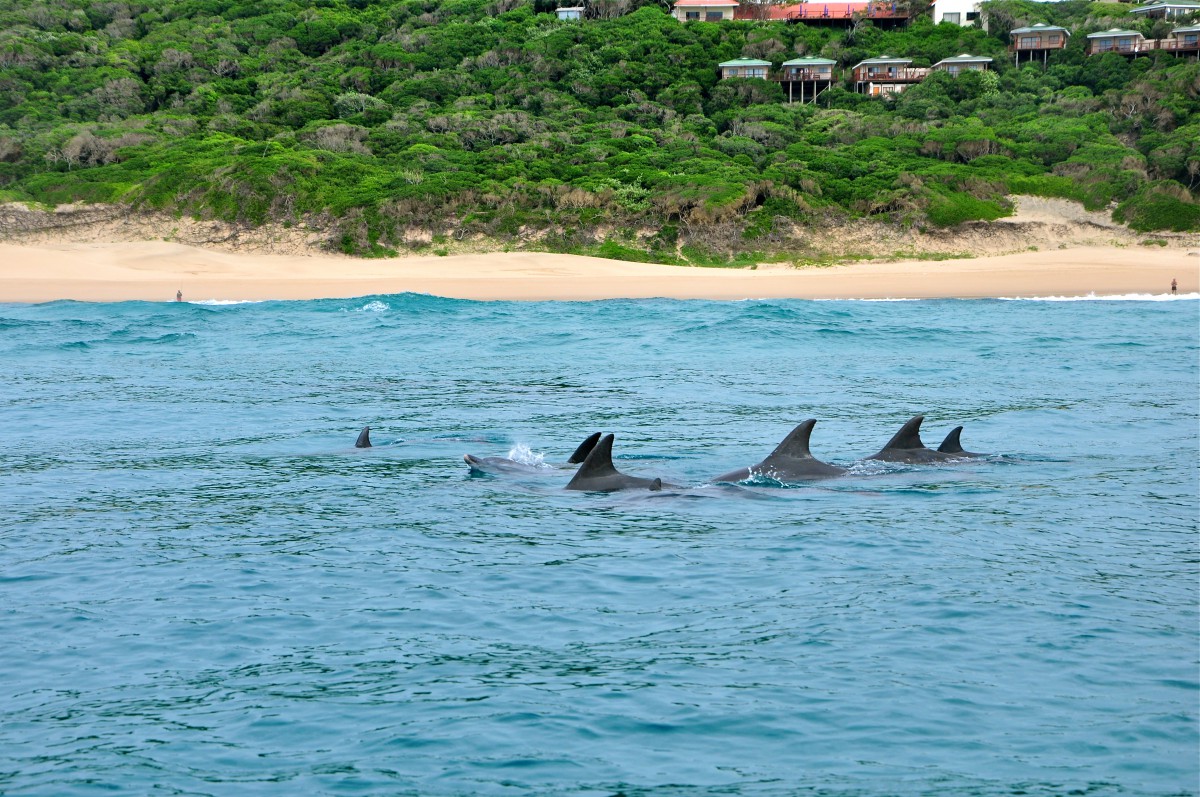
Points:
(1038, 28)
(965, 58)
(1161, 4)
(1114, 32)
(810, 62)
(883, 59)
(745, 62)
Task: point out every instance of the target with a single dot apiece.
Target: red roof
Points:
(682, 3)
(815, 9)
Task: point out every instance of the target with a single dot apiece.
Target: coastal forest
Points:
(392, 125)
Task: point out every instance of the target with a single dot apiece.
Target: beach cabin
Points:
(885, 75)
(571, 13)
(744, 67)
(1164, 9)
(703, 10)
(1037, 41)
(805, 78)
(957, 12)
(962, 63)
(1115, 40)
(1183, 41)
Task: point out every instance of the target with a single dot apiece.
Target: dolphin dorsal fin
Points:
(364, 438)
(598, 462)
(656, 486)
(909, 435)
(795, 445)
(952, 445)
(584, 449)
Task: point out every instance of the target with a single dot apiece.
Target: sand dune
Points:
(154, 271)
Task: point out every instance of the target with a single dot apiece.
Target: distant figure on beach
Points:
(179, 294)
(1174, 286)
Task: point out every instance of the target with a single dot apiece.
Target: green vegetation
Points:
(377, 120)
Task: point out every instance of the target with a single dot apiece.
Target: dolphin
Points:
(506, 465)
(791, 461)
(598, 474)
(953, 447)
(906, 446)
(364, 438)
(584, 449)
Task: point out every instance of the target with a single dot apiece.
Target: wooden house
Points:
(703, 10)
(1037, 40)
(1115, 40)
(744, 67)
(1167, 9)
(1182, 41)
(805, 78)
(962, 63)
(885, 75)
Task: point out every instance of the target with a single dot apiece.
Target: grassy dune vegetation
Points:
(394, 123)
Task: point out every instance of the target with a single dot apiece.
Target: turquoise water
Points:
(207, 590)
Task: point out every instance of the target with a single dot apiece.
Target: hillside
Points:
(377, 126)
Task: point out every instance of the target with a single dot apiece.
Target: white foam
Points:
(373, 307)
(1122, 297)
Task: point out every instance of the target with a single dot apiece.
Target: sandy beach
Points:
(154, 271)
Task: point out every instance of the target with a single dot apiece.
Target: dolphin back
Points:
(364, 438)
(790, 461)
(952, 445)
(909, 435)
(597, 465)
(795, 445)
(906, 446)
(584, 449)
(598, 474)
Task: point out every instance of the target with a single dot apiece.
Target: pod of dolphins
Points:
(791, 461)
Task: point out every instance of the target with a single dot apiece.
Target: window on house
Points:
(972, 16)
(1028, 42)
(950, 17)
(1054, 40)
(713, 16)
(691, 15)
(757, 71)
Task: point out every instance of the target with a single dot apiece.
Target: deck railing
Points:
(1096, 48)
(816, 10)
(802, 74)
(1178, 45)
(1041, 44)
(908, 74)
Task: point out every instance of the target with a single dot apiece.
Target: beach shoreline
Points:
(155, 271)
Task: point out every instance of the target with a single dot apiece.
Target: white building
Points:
(704, 10)
(959, 12)
(1166, 9)
(574, 12)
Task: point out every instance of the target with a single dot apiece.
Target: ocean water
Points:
(207, 590)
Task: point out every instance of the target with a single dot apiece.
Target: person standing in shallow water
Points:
(179, 294)
(1174, 286)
